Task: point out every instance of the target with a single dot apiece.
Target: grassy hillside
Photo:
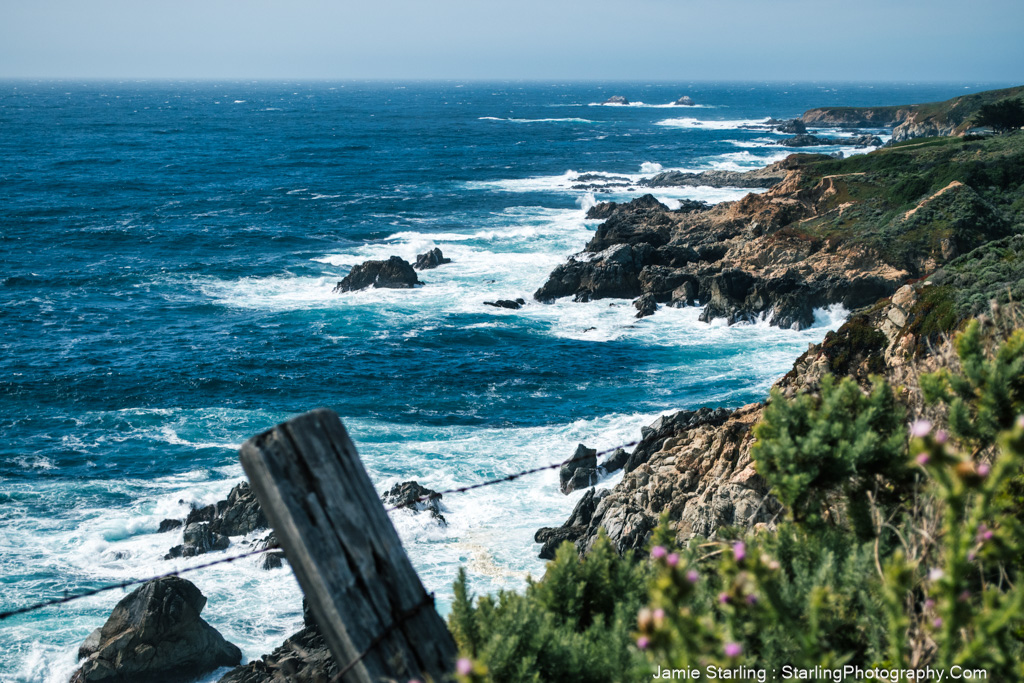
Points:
(956, 112)
(917, 202)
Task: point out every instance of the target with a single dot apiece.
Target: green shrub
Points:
(814, 446)
(572, 625)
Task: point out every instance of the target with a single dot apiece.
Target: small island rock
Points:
(395, 273)
(431, 259)
(616, 99)
(411, 495)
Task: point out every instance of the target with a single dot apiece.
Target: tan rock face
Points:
(704, 478)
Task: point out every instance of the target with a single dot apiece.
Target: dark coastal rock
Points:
(646, 305)
(790, 127)
(169, 525)
(805, 140)
(764, 177)
(395, 273)
(729, 291)
(642, 221)
(198, 539)
(614, 462)
(643, 203)
(240, 514)
(574, 529)
(432, 259)
(207, 528)
(684, 295)
(602, 211)
(303, 658)
(661, 281)
(616, 99)
(551, 538)
(685, 101)
(155, 634)
(580, 471)
(411, 495)
(272, 559)
(506, 303)
(614, 274)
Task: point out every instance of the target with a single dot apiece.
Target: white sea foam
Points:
(746, 160)
(690, 122)
(513, 120)
(650, 167)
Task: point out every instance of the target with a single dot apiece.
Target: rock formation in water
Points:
(155, 634)
(616, 99)
(395, 273)
(431, 259)
(804, 140)
(209, 528)
(412, 496)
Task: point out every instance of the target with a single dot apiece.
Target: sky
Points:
(673, 40)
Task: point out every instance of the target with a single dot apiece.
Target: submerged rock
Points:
(395, 273)
(506, 303)
(646, 305)
(432, 259)
(155, 634)
(411, 495)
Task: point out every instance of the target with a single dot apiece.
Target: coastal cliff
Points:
(829, 222)
(951, 117)
(831, 232)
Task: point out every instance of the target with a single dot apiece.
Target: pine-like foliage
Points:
(840, 440)
(573, 625)
(898, 552)
(987, 393)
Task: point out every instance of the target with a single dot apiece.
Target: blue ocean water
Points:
(168, 254)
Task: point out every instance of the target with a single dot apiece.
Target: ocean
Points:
(169, 252)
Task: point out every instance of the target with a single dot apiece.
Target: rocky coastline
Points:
(823, 232)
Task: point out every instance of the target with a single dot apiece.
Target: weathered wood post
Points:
(345, 552)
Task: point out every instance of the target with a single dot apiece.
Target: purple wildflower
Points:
(693, 576)
(920, 428)
(739, 550)
(464, 666)
(658, 552)
(733, 649)
(643, 642)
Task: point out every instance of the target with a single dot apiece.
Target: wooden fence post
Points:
(345, 552)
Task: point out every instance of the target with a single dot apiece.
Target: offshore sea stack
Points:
(155, 634)
(395, 273)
